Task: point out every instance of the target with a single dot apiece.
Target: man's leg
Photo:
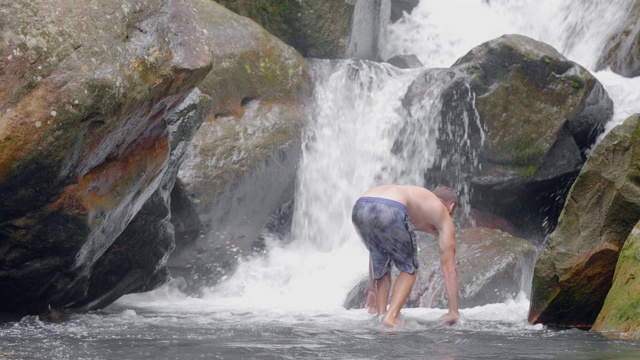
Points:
(371, 304)
(382, 292)
(401, 291)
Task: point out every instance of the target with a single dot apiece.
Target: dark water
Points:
(155, 330)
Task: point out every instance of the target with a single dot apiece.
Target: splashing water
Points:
(347, 146)
(345, 151)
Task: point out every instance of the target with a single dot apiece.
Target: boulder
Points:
(318, 29)
(514, 120)
(99, 102)
(241, 165)
(85, 92)
(136, 261)
(405, 61)
(574, 271)
(619, 316)
(493, 266)
(621, 52)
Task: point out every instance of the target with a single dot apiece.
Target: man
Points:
(385, 217)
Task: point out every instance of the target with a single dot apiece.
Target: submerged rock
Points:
(574, 271)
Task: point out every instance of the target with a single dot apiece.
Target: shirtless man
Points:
(385, 218)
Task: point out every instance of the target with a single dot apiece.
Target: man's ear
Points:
(451, 208)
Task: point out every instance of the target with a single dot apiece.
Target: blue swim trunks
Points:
(387, 232)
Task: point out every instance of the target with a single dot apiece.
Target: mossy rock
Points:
(318, 29)
(574, 271)
(515, 120)
(620, 314)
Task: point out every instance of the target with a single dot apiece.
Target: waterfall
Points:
(349, 143)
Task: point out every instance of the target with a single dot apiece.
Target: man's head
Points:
(448, 196)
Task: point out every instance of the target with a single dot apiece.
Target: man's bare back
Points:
(423, 206)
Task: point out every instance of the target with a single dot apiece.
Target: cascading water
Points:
(346, 150)
(349, 142)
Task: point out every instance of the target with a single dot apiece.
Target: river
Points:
(286, 303)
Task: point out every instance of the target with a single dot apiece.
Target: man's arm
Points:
(447, 242)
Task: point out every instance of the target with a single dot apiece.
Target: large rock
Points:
(493, 266)
(514, 120)
(574, 272)
(241, 165)
(318, 28)
(85, 90)
(98, 103)
(619, 316)
(621, 52)
(137, 259)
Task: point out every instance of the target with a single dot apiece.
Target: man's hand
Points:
(370, 304)
(451, 318)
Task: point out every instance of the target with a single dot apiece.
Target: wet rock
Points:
(493, 266)
(621, 52)
(618, 317)
(574, 271)
(405, 61)
(514, 120)
(137, 259)
(485, 219)
(97, 112)
(241, 165)
(318, 29)
(84, 140)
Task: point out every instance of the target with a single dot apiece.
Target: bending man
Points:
(385, 218)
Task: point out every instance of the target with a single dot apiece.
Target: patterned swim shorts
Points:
(387, 232)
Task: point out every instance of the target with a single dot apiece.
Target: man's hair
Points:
(446, 194)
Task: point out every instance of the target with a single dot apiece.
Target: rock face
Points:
(514, 120)
(619, 315)
(241, 165)
(318, 29)
(136, 261)
(622, 50)
(574, 272)
(84, 140)
(492, 267)
(98, 103)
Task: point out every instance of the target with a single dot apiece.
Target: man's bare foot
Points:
(370, 304)
(392, 321)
